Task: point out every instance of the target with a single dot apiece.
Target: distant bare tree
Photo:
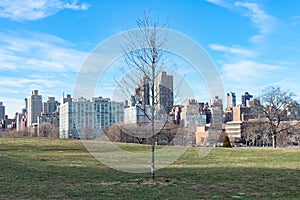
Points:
(114, 133)
(24, 132)
(11, 132)
(54, 132)
(256, 131)
(273, 104)
(88, 133)
(45, 129)
(48, 129)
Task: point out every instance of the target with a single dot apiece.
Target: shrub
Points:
(226, 142)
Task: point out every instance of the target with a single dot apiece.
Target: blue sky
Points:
(43, 43)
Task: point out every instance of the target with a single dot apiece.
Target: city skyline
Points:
(44, 102)
(43, 44)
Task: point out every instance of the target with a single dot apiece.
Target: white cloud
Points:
(20, 82)
(247, 71)
(218, 2)
(39, 52)
(251, 76)
(222, 3)
(22, 10)
(233, 50)
(30, 60)
(259, 18)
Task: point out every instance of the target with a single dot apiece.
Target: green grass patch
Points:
(41, 168)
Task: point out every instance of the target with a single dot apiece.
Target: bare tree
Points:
(45, 129)
(114, 133)
(256, 132)
(146, 59)
(54, 132)
(273, 104)
(24, 132)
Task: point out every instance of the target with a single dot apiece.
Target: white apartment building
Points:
(79, 116)
(137, 114)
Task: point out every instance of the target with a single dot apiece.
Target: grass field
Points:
(41, 168)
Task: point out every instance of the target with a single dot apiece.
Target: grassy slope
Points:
(39, 168)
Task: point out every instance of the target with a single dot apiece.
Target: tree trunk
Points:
(274, 141)
(152, 119)
(152, 151)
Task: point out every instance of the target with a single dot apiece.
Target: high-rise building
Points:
(50, 106)
(176, 114)
(26, 103)
(191, 114)
(293, 111)
(48, 121)
(34, 104)
(142, 93)
(67, 99)
(231, 100)
(164, 92)
(145, 91)
(216, 110)
(82, 116)
(2, 111)
(21, 121)
(24, 110)
(216, 103)
(246, 97)
(137, 96)
(243, 114)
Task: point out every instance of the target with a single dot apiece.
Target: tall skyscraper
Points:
(26, 103)
(142, 93)
(2, 111)
(50, 106)
(231, 100)
(216, 103)
(216, 110)
(191, 115)
(34, 104)
(145, 91)
(164, 92)
(67, 99)
(245, 98)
